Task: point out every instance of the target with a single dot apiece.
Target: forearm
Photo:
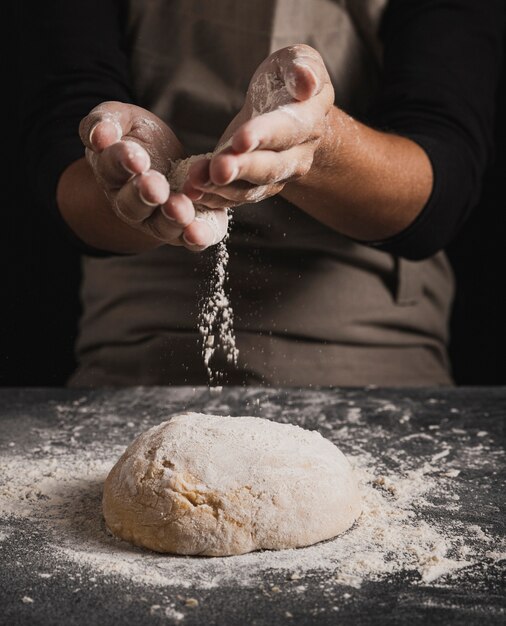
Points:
(87, 211)
(363, 183)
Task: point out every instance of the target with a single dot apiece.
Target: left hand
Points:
(274, 138)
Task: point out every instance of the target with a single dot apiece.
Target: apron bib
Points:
(311, 307)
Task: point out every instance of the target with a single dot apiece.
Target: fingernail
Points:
(129, 170)
(311, 71)
(254, 145)
(135, 151)
(168, 217)
(232, 176)
(304, 64)
(291, 82)
(190, 243)
(117, 128)
(136, 183)
(92, 132)
(147, 202)
(195, 195)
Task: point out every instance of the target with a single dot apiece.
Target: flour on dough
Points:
(209, 485)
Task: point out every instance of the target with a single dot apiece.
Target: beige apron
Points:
(311, 307)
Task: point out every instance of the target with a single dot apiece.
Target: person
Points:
(348, 139)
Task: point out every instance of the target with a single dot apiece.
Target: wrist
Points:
(327, 161)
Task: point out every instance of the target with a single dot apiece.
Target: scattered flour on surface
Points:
(59, 489)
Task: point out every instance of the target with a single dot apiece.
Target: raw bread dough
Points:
(217, 486)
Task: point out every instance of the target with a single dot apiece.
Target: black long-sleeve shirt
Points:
(441, 65)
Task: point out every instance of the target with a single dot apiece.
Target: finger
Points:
(115, 165)
(198, 175)
(303, 71)
(191, 192)
(262, 167)
(106, 124)
(208, 228)
(281, 129)
(139, 197)
(198, 180)
(215, 202)
(157, 225)
(199, 170)
(233, 196)
(152, 187)
(179, 209)
(216, 197)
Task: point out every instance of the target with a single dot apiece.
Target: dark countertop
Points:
(460, 431)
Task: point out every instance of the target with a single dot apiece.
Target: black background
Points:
(39, 305)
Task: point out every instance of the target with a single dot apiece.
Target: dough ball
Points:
(217, 486)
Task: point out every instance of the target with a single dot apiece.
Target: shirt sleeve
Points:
(73, 57)
(442, 61)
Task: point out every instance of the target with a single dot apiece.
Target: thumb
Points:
(303, 71)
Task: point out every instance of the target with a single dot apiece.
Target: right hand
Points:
(130, 150)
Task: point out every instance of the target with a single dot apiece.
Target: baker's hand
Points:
(130, 151)
(274, 138)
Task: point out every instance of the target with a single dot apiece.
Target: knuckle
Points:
(92, 158)
(300, 171)
(302, 49)
(256, 193)
(104, 107)
(122, 212)
(85, 126)
(214, 202)
(304, 167)
(128, 212)
(246, 134)
(155, 229)
(274, 177)
(231, 204)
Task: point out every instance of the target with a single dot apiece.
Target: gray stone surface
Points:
(460, 414)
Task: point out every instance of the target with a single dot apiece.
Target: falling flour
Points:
(216, 318)
(268, 92)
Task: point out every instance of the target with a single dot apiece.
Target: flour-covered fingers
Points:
(236, 195)
(301, 79)
(208, 228)
(105, 125)
(283, 128)
(157, 225)
(216, 202)
(198, 176)
(179, 209)
(115, 165)
(137, 199)
(262, 167)
(303, 71)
